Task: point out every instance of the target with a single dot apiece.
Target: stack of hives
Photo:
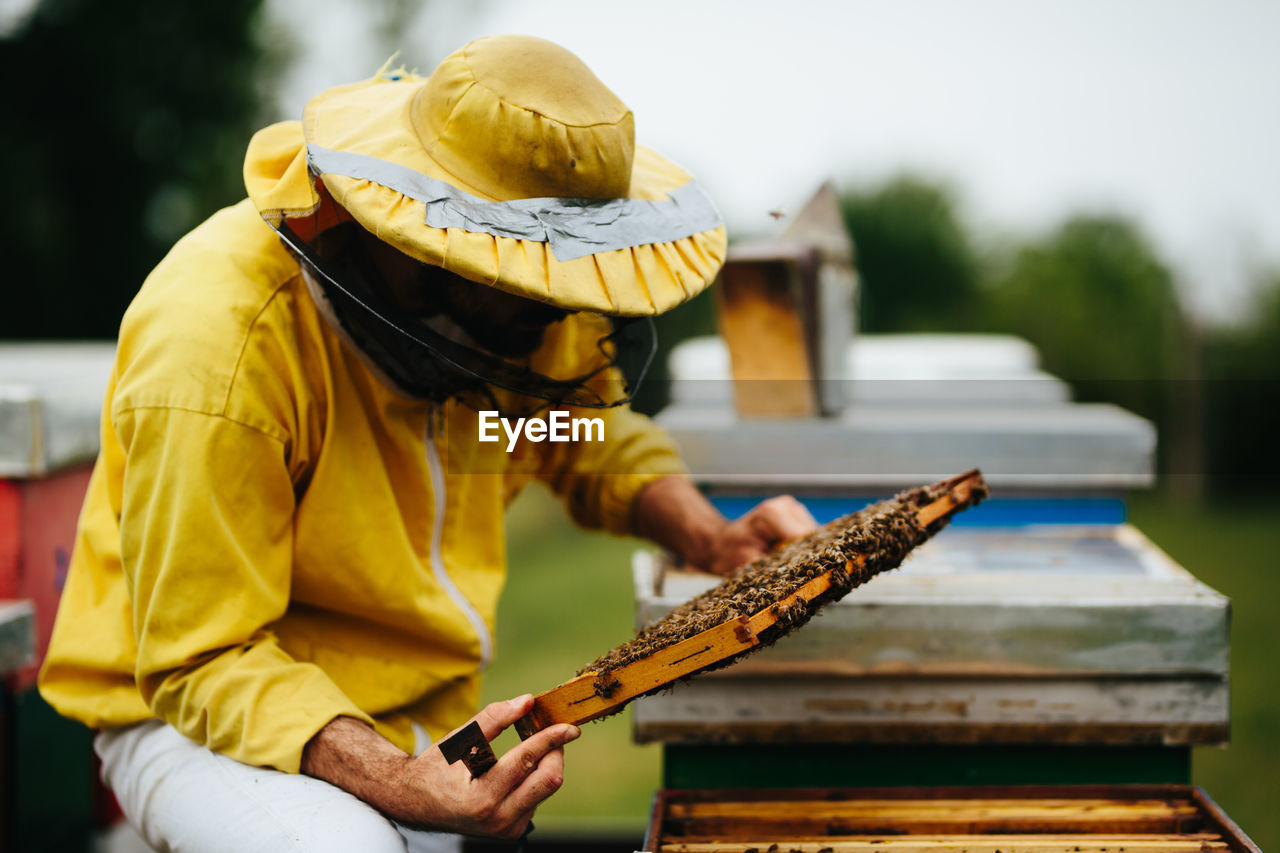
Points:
(1043, 620)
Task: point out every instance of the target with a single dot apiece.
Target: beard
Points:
(505, 325)
(510, 341)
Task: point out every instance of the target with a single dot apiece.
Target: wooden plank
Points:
(1218, 819)
(1002, 793)
(1108, 838)
(938, 709)
(768, 352)
(783, 827)
(718, 821)
(945, 796)
(1138, 838)
(577, 701)
(653, 832)
(908, 808)
(1197, 843)
(787, 818)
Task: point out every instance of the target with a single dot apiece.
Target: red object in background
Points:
(37, 532)
(106, 808)
(38, 519)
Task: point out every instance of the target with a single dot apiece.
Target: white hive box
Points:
(918, 408)
(930, 369)
(50, 402)
(1043, 635)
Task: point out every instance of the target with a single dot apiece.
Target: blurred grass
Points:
(1234, 547)
(569, 599)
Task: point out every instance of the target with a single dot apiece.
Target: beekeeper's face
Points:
(504, 324)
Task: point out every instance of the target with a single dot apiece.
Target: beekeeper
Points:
(288, 563)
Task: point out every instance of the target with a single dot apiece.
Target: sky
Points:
(1164, 110)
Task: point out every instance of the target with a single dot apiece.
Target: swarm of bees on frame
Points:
(854, 548)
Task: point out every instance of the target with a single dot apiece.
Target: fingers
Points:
(538, 786)
(433, 793)
(763, 527)
(523, 760)
(496, 716)
(781, 518)
(524, 777)
(738, 553)
(512, 816)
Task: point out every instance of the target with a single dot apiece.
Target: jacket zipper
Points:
(437, 535)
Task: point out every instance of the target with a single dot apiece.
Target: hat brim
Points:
(369, 122)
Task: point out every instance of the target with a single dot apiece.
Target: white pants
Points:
(182, 797)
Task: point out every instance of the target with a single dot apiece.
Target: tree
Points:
(1242, 379)
(917, 267)
(125, 125)
(1096, 300)
(1102, 309)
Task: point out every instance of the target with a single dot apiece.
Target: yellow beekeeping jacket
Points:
(272, 537)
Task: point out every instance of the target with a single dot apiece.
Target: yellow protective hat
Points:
(511, 165)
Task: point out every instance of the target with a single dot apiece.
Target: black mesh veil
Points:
(431, 365)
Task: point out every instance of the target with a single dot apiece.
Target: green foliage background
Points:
(125, 126)
(918, 266)
(1104, 311)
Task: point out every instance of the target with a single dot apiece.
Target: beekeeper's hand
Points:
(673, 513)
(764, 527)
(429, 793)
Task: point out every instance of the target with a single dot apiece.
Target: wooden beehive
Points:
(1039, 819)
(1058, 634)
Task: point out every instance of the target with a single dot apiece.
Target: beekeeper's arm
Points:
(206, 536)
(426, 791)
(633, 482)
(673, 513)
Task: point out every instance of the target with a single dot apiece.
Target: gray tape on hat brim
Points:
(571, 228)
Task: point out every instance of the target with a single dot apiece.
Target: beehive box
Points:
(1048, 634)
(1041, 819)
